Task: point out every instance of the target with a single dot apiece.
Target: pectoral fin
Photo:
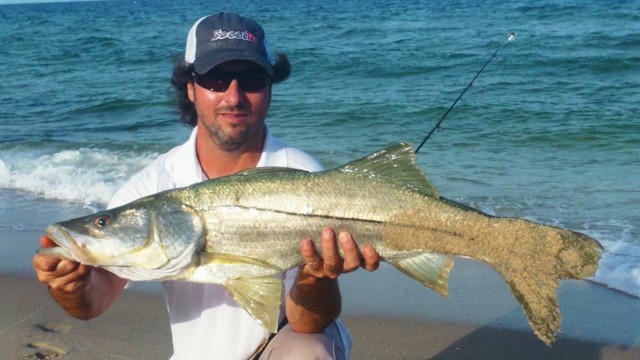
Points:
(260, 297)
(431, 270)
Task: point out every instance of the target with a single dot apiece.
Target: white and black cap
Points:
(223, 37)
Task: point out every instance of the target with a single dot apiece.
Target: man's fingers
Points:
(72, 281)
(46, 242)
(45, 263)
(351, 253)
(371, 258)
(330, 254)
(330, 264)
(313, 262)
(67, 276)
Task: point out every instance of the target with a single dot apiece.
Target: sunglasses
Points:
(219, 80)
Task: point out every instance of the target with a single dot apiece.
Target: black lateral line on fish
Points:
(377, 222)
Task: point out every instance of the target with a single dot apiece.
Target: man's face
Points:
(232, 116)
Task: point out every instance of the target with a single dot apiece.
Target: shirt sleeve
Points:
(144, 183)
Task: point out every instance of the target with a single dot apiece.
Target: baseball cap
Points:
(222, 37)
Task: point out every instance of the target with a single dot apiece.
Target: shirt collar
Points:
(274, 152)
(189, 171)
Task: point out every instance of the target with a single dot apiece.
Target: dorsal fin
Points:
(397, 163)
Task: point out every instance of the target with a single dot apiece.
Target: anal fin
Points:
(431, 270)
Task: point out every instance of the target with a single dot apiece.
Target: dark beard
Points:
(237, 139)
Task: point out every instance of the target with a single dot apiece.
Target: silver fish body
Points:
(243, 231)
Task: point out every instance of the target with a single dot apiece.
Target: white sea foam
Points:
(4, 173)
(620, 267)
(89, 176)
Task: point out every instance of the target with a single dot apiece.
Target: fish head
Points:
(145, 234)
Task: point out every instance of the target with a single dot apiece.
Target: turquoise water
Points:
(549, 131)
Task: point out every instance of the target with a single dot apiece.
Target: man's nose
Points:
(234, 94)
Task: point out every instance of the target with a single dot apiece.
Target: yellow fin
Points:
(431, 270)
(260, 297)
(396, 163)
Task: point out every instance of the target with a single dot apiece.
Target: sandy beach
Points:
(598, 324)
(35, 327)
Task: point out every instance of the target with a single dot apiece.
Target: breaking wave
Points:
(88, 176)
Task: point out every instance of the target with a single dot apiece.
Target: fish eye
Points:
(102, 221)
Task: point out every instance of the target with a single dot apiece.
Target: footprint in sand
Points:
(44, 350)
(60, 328)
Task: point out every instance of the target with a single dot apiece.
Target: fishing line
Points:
(511, 37)
(26, 317)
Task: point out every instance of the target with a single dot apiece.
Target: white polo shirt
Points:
(206, 323)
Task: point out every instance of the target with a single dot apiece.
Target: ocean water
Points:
(550, 130)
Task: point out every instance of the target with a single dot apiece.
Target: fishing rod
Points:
(511, 37)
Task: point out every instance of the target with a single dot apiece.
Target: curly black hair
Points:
(183, 75)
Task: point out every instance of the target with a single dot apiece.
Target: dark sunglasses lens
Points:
(213, 82)
(253, 83)
(219, 82)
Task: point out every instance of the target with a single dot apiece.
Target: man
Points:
(224, 91)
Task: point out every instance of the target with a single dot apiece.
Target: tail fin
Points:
(533, 265)
(531, 257)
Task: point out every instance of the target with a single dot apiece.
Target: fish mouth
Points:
(63, 239)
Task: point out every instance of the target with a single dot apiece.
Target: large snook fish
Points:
(243, 231)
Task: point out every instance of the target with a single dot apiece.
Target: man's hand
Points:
(314, 300)
(331, 264)
(60, 275)
(83, 291)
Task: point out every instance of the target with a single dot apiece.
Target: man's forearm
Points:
(91, 299)
(313, 303)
